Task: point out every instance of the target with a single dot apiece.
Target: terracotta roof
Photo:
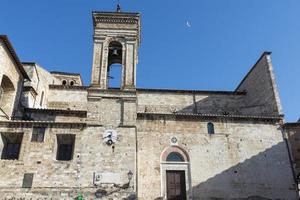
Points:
(292, 124)
(191, 91)
(211, 115)
(65, 73)
(14, 55)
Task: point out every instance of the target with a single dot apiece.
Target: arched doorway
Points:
(175, 174)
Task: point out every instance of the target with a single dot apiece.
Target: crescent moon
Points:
(188, 24)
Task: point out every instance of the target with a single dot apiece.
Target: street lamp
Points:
(129, 175)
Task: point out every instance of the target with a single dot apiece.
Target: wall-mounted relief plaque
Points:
(107, 177)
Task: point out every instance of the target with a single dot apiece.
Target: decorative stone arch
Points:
(175, 149)
(7, 95)
(121, 40)
(182, 164)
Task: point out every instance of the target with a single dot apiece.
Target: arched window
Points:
(210, 128)
(175, 157)
(114, 68)
(7, 95)
(64, 82)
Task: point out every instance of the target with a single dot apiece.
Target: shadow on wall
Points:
(224, 104)
(267, 175)
(216, 105)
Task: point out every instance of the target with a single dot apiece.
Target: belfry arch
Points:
(115, 63)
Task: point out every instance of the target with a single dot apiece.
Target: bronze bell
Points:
(115, 52)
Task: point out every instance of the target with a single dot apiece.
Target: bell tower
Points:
(116, 41)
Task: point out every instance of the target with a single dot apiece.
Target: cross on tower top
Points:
(118, 7)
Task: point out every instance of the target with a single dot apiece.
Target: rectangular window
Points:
(27, 180)
(38, 134)
(11, 145)
(65, 147)
(42, 99)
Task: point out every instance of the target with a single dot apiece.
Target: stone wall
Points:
(243, 159)
(112, 107)
(162, 101)
(293, 135)
(69, 78)
(56, 179)
(72, 98)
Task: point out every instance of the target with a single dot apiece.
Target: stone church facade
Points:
(63, 140)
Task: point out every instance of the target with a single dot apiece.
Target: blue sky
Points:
(225, 39)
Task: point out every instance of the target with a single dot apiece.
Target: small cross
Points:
(118, 6)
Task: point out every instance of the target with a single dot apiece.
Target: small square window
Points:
(38, 134)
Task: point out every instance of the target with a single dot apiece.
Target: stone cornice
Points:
(294, 124)
(57, 111)
(68, 87)
(116, 20)
(140, 90)
(186, 116)
(29, 124)
(130, 20)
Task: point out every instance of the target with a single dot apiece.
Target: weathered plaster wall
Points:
(242, 159)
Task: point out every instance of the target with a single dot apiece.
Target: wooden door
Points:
(176, 185)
